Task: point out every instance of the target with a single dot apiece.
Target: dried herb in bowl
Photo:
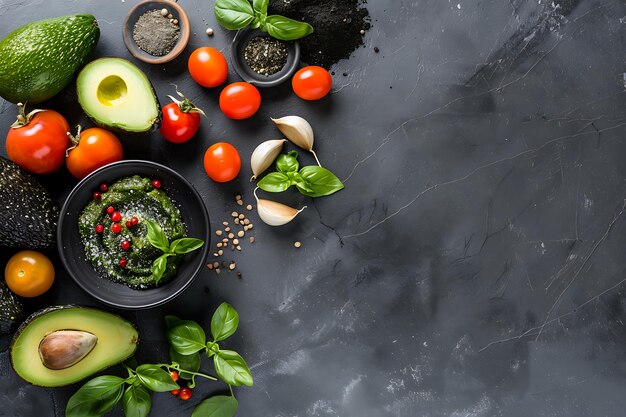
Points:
(265, 56)
(156, 33)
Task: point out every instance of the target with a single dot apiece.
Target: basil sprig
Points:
(312, 181)
(187, 338)
(158, 239)
(237, 14)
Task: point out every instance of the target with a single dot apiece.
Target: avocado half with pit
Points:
(116, 94)
(61, 345)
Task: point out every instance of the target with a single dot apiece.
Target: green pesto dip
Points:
(131, 197)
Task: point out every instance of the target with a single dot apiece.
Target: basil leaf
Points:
(260, 8)
(274, 182)
(233, 14)
(286, 29)
(185, 245)
(232, 369)
(186, 337)
(321, 181)
(137, 401)
(158, 267)
(218, 406)
(187, 362)
(288, 162)
(155, 378)
(224, 322)
(156, 236)
(96, 397)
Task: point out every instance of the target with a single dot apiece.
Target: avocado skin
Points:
(28, 208)
(50, 309)
(11, 309)
(39, 59)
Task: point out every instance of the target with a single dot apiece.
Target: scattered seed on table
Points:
(216, 264)
(164, 12)
(225, 240)
(220, 252)
(225, 223)
(227, 229)
(234, 214)
(250, 226)
(218, 232)
(249, 206)
(238, 247)
(245, 228)
(219, 244)
(237, 220)
(235, 241)
(246, 222)
(215, 254)
(297, 244)
(241, 233)
(240, 202)
(231, 235)
(362, 32)
(251, 239)
(210, 266)
(242, 216)
(238, 197)
(217, 271)
(232, 266)
(209, 31)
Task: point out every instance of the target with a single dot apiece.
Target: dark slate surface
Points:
(474, 264)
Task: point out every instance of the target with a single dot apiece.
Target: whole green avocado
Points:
(39, 59)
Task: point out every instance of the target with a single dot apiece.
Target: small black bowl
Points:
(71, 249)
(248, 74)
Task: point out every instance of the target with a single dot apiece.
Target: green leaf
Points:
(321, 181)
(171, 321)
(187, 362)
(185, 245)
(288, 162)
(156, 236)
(274, 182)
(233, 14)
(159, 266)
(137, 401)
(286, 29)
(260, 8)
(218, 406)
(96, 397)
(187, 337)
(155, 378)
(232, 369)
(224, 322)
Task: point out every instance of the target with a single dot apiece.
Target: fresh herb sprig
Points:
(101, 394)
(237, 14)
(312, 181)
(158, 239)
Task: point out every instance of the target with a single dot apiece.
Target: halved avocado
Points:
(116, 94)
(63, 344)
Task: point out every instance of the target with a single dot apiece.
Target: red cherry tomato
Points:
(222, 162)
(208, 67)
(39, 144)
(181, 121)
(312, 83)
(240, 100)
(174, 375)
(185, 393)
(95, 148)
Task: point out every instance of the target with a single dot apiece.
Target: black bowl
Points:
(72, 252)
(248, 74)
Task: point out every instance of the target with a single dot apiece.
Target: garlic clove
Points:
(65, 348)
(275, 214)
(297, 130)
(264, 155)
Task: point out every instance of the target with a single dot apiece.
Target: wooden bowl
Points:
(145, 6)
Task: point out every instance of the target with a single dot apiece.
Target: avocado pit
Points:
(64, 348)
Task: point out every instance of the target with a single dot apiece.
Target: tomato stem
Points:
(22, 118)
(74, 138)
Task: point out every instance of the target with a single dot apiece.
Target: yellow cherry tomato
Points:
(29, 273)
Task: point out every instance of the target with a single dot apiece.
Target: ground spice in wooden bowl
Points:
(265, 55)
(156, 33)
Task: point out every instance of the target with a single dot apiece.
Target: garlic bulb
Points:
(273, 213)
(299, 131)
(264, 155)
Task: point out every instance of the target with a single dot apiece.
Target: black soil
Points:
(337, 23)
